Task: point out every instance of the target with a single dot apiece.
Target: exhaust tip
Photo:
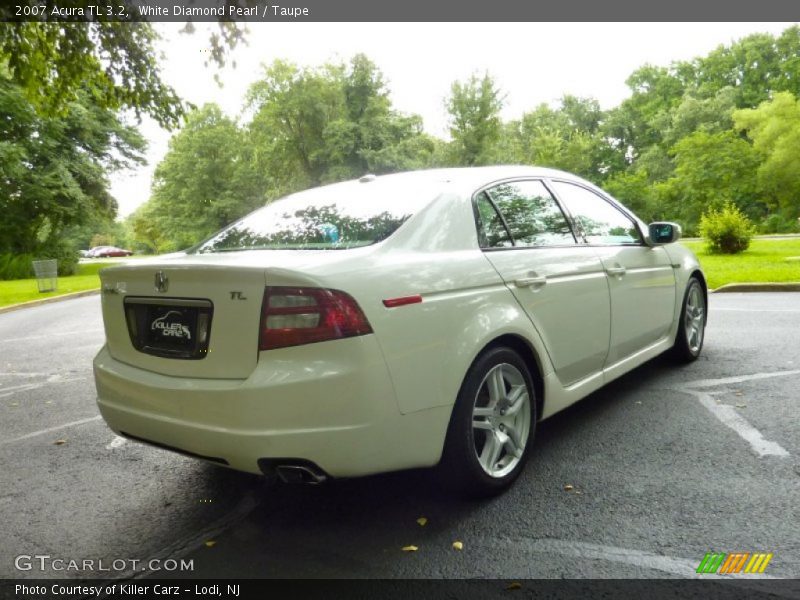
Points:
(292, 471)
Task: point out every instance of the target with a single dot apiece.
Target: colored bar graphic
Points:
(732, 563)
(758, 562)
(711, 562)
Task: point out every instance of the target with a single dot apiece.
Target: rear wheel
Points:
(491, 429)
(692, 325)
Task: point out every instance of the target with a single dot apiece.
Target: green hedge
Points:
(20, 266)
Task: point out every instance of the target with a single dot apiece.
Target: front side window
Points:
(600, 222)
(531, 213)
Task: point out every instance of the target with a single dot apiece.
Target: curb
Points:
(33, 303)
(757, 287)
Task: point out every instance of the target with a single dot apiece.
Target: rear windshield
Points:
(335, 217)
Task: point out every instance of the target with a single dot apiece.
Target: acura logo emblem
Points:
(162, 282)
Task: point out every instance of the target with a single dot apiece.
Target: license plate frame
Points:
(170, 327)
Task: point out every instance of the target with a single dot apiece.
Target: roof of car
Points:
(461, 179)
(468, 177)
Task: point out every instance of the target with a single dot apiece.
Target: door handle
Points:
(530, 281)
(616, 271)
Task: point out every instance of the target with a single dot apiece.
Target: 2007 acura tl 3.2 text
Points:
(393, 322)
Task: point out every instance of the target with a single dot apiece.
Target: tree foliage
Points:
(54, 170)
(474, 109)
(774, 128)
(309, 126)
(692, 137)
(201, 185)
(113, 63)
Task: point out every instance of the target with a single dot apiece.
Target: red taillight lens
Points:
(291, 316)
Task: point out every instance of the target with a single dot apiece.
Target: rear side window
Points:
(600, 222)
(530, 213)
(335, 217)
(492, 231)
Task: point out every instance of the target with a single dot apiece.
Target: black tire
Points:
(687, 347)
(461, 466)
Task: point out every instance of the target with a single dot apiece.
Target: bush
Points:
(727, 231)
(776, 223)
(64, 252)
(16, 266)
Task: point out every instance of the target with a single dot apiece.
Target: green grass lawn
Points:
(770, 260)
(24, 290)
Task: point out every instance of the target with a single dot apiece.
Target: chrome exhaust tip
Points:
(300, 474)
(292, 471)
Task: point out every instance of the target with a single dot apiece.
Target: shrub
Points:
(727, 230)
(16, 266)
(776, 223)
(64, 253)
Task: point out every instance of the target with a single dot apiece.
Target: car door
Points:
(559, 283)
(640, 278)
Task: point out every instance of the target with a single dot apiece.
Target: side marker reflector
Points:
(395, 302)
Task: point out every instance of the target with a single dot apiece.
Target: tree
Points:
(774, 128)
(334, 122)
(756, 66)
(54, 170)
(567, 137)
(113, 63)
(201, 185)
(474, 109)
(711, 170)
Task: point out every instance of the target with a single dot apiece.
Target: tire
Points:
(692, 325)
(492, 426)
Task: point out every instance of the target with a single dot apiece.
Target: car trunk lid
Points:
(190, 320)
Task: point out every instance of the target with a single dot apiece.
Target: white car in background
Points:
(394, 322)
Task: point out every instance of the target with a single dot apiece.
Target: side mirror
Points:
(664, 233)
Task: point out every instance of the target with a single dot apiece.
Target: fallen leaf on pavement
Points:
(410, 548)
(741, 406)
(60, 442)
(568, 487)
(458, 545)
(514, 585)
(422, 521)
(210, 543)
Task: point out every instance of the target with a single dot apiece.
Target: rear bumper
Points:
(335, 408)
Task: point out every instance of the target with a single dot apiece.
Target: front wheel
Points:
(692, 325)
(491, 429)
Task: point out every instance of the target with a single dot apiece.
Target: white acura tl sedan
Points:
(394, 322)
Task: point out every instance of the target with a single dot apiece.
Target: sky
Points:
(530, 62)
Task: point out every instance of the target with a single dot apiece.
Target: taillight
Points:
(291, 316)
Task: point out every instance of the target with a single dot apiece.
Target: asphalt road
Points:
(639, 480)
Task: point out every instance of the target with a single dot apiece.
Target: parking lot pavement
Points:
(641, 479)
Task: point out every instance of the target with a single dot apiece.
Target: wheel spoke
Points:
(491, 452)
(482, 411)
(485, 425)
(513, 443)
(496, 385)
(517, 399)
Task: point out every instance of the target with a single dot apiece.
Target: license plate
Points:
(172, 326)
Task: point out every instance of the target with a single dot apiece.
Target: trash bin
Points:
(46, 274)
